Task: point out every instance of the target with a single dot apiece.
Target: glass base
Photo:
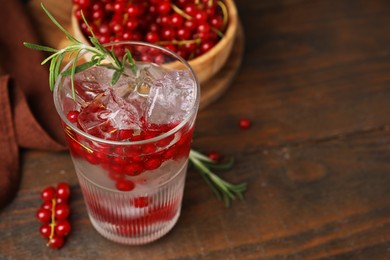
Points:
(159, 231)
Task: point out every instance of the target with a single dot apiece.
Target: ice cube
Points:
(124, 117)
(146, 76)
(94, 118)
(118, 107)
(170, 98)
(155, 94)
(127, 106)
(92, 82)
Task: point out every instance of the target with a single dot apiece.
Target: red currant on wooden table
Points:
(244, 123)
(53, 214)
(214, 156)
(169, 23)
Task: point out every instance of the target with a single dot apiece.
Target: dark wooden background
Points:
(315, 81)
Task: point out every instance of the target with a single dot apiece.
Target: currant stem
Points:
(197, 41)
(218, 32)
(53, 221)
(224, 12)
(180, 12)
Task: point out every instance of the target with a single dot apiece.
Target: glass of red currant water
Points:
(130, 141)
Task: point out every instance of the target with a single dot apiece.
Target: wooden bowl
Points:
(208, 64)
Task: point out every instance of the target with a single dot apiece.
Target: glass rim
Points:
(183, 122)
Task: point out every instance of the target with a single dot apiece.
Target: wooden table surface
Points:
(315, 82)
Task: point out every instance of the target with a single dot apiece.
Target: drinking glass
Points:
(133, 189)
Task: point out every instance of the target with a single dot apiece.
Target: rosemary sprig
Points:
(222, 189)
(75, 49)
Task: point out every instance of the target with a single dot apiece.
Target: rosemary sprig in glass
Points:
(75, 49)
(222, 189)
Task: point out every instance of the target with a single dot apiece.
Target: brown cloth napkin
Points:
(27, 115)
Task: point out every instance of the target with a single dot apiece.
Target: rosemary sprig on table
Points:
(222, 189)
(75, 49)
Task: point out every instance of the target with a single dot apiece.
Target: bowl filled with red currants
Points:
(200, 31)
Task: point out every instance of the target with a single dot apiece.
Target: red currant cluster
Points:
(54, 213)
(187, 27)
(125, 162)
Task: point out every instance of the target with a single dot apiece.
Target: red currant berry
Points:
(190, 9)
(210, 11)
(133, 10)
(104, 29)
(203, 27)
(119, 7)
(90, 157)
(190, 24)
(62, 228)
(117, 28)
(152, 164)
(181, 3)
(163, 20)
(153, 27)
(125, 134)
(133, 169)
(72, 116)
(132, 24)
(169, 153)
(190, 47)
(43, 215)
(206, 46)
(61, 201)
(214, 156)
(152, 37)
(141, 202)
(63, 190)
(164, 7)
(148, 148)
(47, 204)
(116, 175)
(183, 33)
(146, 57)
(45, 230)
(176, 20)
(48, 193)
(244, 123)
(61, 211)
(124, 185)
(97, 6)
(136, 36)
(200, 16)
(217, 22)
(56, 242)
(97, 15)
(104, 39)
(109, 7)
(183, 53)
(168, 33)
(84, 3)
(171, 47)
